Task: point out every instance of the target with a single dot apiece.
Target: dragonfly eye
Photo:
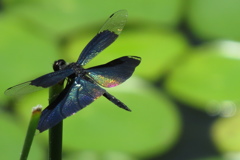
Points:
(59, 64)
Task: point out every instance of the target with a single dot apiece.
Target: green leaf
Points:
(93, 155)
(61, 17)
(207, 76)
(226, 134)
(215, 19)
(151, 128)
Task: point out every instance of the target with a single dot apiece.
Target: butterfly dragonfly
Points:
(83, 85)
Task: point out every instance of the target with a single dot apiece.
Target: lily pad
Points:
(151, 128)
(60, 17)
(215, 19)
(93, 155)
(207, 75)
(226, 135)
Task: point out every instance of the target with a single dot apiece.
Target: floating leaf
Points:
(208, 75)
(215, 19)
(152, 127)
(226, 135)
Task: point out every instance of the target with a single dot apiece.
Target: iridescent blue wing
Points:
(115, 72)
(78, 94)
(106, 36)
(39, 83)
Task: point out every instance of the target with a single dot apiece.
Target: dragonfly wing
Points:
(115, 72)
(77, 95)
(106, 36)
(21, 89)
(116, 22)
(39, 83)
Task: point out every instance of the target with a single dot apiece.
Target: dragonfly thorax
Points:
(78, 69)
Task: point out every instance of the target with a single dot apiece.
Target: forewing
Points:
(39, 83)
(77, 95)
(21, 89)
(115, 72)
(115, 22)
(106, 36)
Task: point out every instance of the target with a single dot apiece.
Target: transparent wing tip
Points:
(116, 22)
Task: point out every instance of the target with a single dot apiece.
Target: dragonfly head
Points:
(59, 65)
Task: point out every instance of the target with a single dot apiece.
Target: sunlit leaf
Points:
(215, 19)
(60, 17)
(152, 127)
(226, 135)
(208, 75)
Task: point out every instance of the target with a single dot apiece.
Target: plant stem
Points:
(36, 112)
(55, 133)
(55, 142)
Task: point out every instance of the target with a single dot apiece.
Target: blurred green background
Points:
(184, 96)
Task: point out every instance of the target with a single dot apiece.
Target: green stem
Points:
(31, 132)
(55, 142)
(55, 133)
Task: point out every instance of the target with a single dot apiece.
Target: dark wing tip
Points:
(135, 59)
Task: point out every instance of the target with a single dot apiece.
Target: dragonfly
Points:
(84, 85)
